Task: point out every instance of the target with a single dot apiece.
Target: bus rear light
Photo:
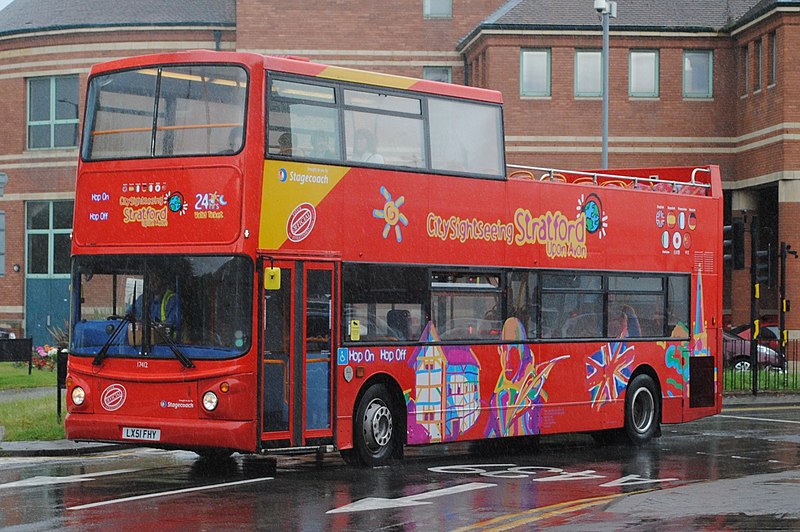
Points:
(210, 401)
(78, 396)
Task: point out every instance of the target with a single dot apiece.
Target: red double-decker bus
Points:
(272, 254)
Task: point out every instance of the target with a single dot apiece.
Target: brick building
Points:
(690, 83)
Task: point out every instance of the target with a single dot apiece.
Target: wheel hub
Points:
(377, 425)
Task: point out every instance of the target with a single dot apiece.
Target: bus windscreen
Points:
(169, 111)
(147, 305)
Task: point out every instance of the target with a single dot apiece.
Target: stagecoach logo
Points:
(301, 222)
(113, 397)
(283, 175)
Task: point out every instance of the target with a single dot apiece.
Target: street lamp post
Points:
(606, 9)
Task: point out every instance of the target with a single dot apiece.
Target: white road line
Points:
(760, 419)
(167, 493)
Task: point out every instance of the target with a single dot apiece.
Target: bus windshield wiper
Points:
(98, 358)
(173, 346)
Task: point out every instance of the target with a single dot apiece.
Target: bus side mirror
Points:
(272, 279)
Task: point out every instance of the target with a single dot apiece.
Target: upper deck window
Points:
(369, 126)
(167, 111)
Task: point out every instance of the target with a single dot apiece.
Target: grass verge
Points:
(15, 377)
(32, 419)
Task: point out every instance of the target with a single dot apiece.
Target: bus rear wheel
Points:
(376, 434)
(642, 410)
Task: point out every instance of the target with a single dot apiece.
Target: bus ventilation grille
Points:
(704, 261)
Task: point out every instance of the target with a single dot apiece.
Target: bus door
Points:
(298, 326)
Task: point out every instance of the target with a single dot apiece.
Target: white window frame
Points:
(580, 93)
(744, 57)
(2, 243)
(52, 121)
(430, 73)
(654, 73)
(51, 233)
(523, 71)
(429, 9)
(758, 49)
(709, 75)
(773, 52)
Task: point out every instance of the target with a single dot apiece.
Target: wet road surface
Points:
(739, 470)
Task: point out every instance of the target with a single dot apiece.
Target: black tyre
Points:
(349, 456)
(376, 435)
(642, 410)
(214, 455)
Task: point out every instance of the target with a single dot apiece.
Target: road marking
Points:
(760, 408)
(168, 493)
(378, 503)
(508, 522)
(49, 481)
(748, 418)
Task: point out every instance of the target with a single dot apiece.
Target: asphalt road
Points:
(736, 470)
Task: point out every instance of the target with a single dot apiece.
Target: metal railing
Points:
(775, 372)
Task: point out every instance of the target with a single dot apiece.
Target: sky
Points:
(4, 3)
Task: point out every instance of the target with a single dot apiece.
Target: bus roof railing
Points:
(652, 182)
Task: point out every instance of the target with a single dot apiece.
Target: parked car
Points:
(770, 334)
(5, 334)
(736, 353)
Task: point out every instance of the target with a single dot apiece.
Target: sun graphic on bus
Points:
(391, 213)
(596, 219)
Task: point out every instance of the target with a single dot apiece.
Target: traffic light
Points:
(764, 267)
(733, 243)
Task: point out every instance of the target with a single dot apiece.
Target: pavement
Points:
(72, 448)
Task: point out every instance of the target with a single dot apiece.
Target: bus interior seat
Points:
(399, 321)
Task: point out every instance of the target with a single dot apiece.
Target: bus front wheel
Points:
(642, 410)
(376, 434)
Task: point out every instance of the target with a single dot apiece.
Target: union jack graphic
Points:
(608, 372)
(660, 218)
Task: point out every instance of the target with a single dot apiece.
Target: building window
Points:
(535, 72)
(588, 73)
(53, 112)
(443, 74)
(643, 74)
(437, 8)
(698, 70)
(773, 55)
(757, 67)
(2, 243)
(48, 227)
(744, 58)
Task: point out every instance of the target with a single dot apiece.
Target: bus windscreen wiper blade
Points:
(98, 358)
(173, 347)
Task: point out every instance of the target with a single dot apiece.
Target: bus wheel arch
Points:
(643, 404)
(379, 423)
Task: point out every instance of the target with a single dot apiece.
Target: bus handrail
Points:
(163, 128)
(555, 174)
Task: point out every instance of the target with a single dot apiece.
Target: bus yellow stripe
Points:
(370, 78)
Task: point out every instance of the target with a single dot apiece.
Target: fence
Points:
(774, 371)
(17, 350)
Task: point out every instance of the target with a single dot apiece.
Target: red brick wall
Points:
(50, 174)
(327, 31)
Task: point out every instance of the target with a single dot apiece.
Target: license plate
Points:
(135, 433)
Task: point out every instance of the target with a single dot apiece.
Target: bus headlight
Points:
(78, 396)
(210, 401)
